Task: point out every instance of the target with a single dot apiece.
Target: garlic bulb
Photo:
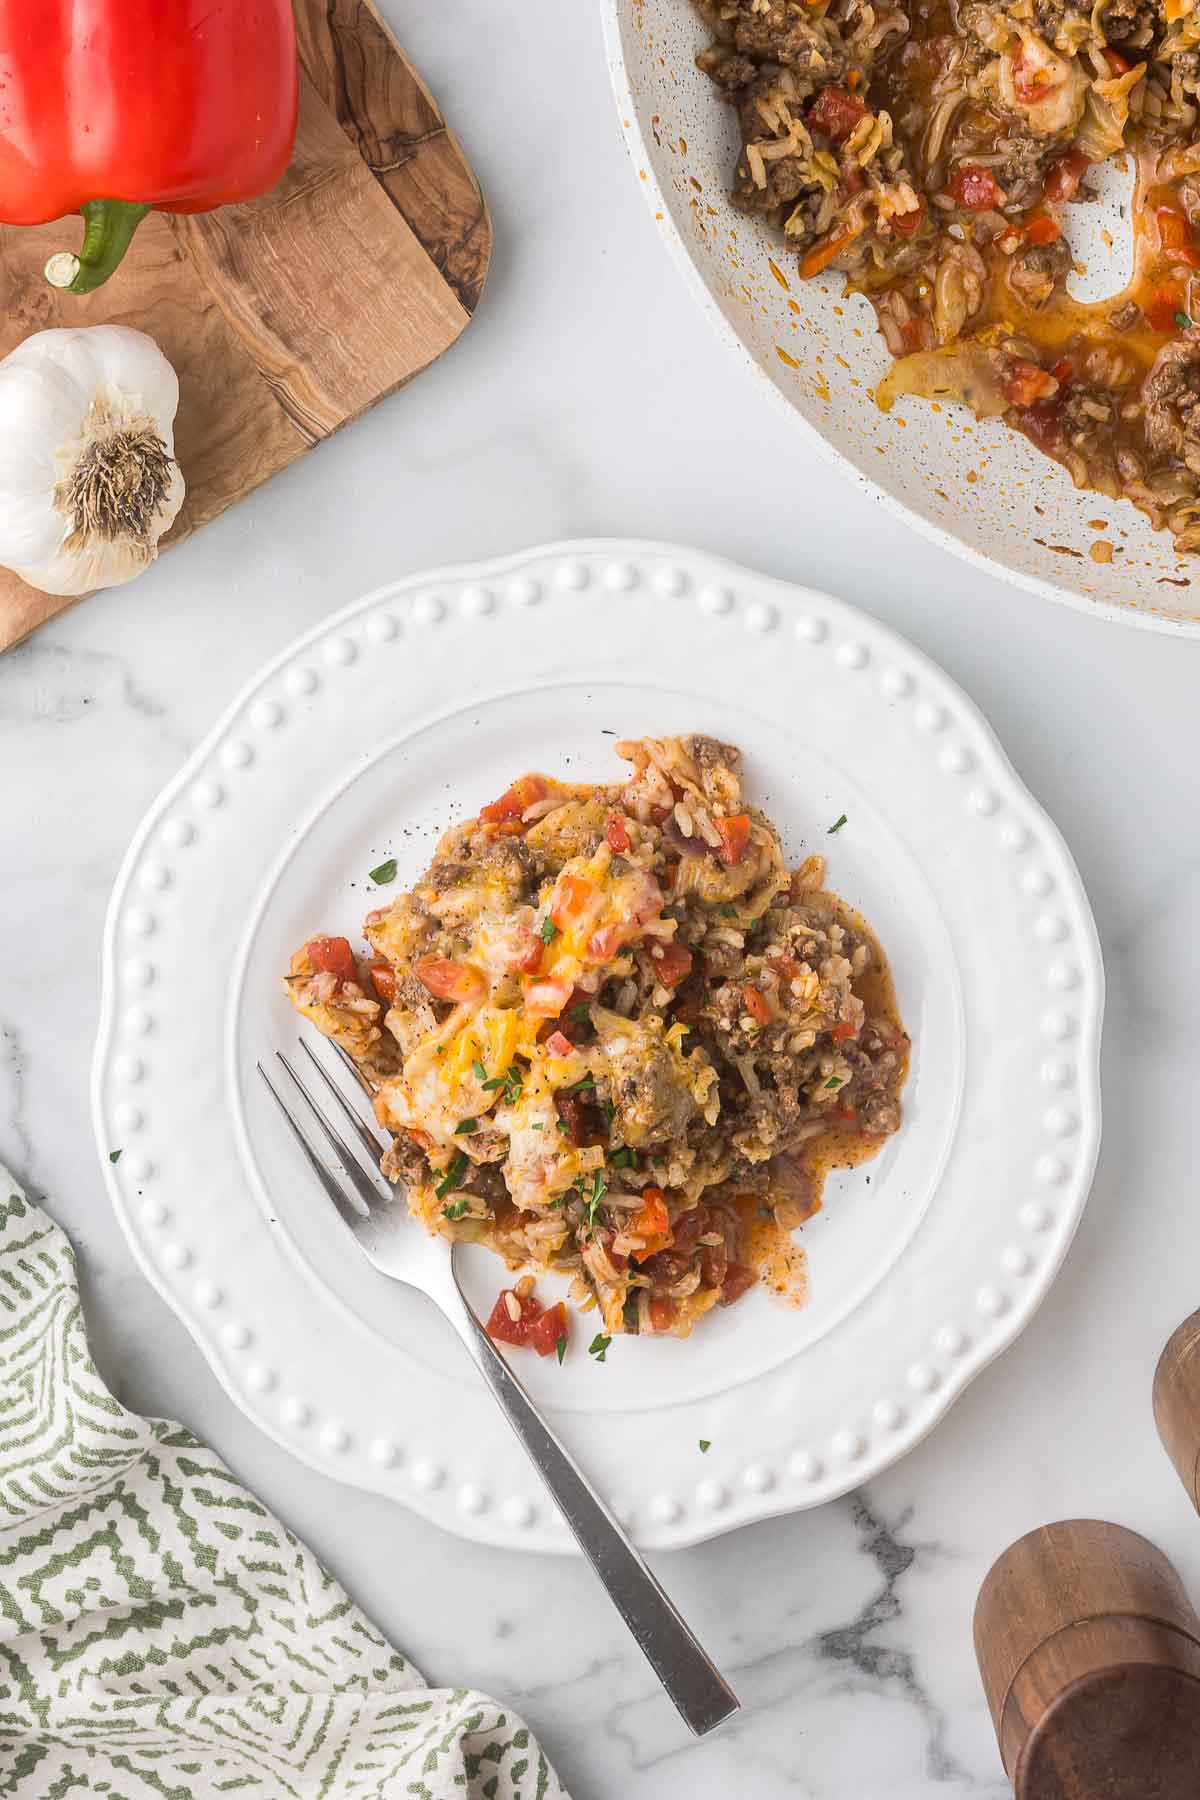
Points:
(88, 477)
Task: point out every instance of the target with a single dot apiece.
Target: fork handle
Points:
(700, 1694)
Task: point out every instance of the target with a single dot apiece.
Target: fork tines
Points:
(355, 1194)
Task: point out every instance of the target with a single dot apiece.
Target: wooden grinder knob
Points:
(1177, 1403)
(1090, 1655)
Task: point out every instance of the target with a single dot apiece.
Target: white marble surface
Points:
(588, 398)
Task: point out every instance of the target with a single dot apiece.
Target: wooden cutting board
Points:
(287, 317)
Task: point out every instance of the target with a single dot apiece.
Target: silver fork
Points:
(400, 1249)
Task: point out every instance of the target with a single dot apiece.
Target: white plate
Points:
(973, 486)
(415, 706)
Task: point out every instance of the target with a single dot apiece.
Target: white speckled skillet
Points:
(974, 487)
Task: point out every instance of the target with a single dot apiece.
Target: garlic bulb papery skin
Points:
(88, 477)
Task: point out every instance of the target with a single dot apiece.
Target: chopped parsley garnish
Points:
(1183, 322)
(705, 1445)
(609, 1110)
(511, 1083)
(551, 1205)
(479, 1070)
(562, 1125)
(114, 1156)
(765, 1212)
(452, 1176)
(467, 1126)
(835, 1081)
(582, 1087)
(536, 1125)
(560, 1349)
(599, 1346)
(837, 825)
(729, 912)
(624, 1158)
(384, 873)
(591, 1201)
(582, 1014)
(454, 1209)
(548, 932)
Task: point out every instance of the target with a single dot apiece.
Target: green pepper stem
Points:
(109, 226)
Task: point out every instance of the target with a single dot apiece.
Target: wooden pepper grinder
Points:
(1090, 1655)
(1177, 1403)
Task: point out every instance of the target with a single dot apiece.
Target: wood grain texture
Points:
(394, 123)
(325, 282)
(287, 317)
(1177, 1403)
(1090, 1655)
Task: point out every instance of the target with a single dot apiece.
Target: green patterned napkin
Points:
(162, 1637)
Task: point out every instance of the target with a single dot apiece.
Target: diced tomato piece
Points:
(1064, 176)
(571, 896)
(652, 1218)
(1175, 236)
(1120, 65)
(1042, 423)
(503, 1327)
(383, 980)
(332, 956)
(735, 836)
(843, 1030)
(604, 944)
(527, 951)
(905, 224)
(1160, 312)
(835, 113)
(540, 1330)
(506, 807)
(662, 1314)
(558, 1045)
(739, 1278)
(1043, 230)
(653, 1223)
(787, 965)
(1173, 227)
(846, 1114)
(550, 1328)
(975, 188)
(448, 980)
(421, 1139)
(513, 802)
(1063, 371)
(617, 833)
(1027, 383)
(660, 814)
(671, 963)
(546, 999)
(756, 1004)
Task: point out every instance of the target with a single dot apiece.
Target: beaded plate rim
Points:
(963, 749)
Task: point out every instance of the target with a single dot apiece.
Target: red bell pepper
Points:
(111, 109)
